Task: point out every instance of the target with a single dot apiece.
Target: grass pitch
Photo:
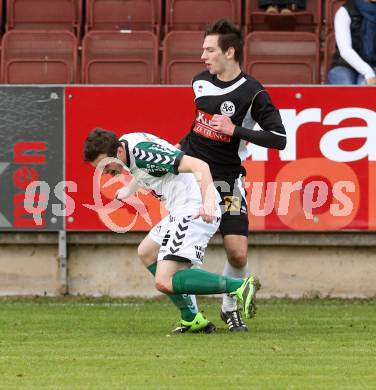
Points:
(87, 343)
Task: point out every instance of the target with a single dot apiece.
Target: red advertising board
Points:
(325, 179)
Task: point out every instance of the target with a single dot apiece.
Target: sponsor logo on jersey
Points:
(232, 203)
(165, 240)
(161, 148)
(203, 126)
(199, 252)
(227, 108)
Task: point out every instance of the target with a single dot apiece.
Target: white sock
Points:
(230, 303)
(194, 303)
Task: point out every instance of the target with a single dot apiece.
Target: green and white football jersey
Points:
(154, 163)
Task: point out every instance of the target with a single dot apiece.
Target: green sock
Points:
(182, 302)
(198, 281)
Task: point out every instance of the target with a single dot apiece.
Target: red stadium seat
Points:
(44, 15)
(197, 14)
(329, 49)
(182, 56)
(283, 57)
(113, 57)
(123, 15)
(305, 20)
(1, 14)
(39, 57)
(330, 11)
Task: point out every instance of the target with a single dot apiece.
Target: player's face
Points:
(113, 168)
(215, 59)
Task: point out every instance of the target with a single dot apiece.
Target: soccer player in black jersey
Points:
(228, 104)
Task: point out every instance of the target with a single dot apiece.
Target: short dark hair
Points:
(229, 36)
(98, 142)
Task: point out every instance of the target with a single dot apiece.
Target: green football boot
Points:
(246, 295)
(198, 325)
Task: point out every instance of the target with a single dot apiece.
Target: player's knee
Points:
(163, 285)
(142, 254)
(237, 258)
(146, 256)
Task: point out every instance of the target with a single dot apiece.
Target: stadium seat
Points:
(1, 15)
(123, 15)
(182, 56)
(330, 11)
(329, 49)
(114, 57)
(44, 15)
(197, 14)
(39, 57)
(283, 57)
(308, 20)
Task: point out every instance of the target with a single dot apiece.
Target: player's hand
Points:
(177, 146)
(371, 81)
(207, 212)
(223, 124)
(121, 194)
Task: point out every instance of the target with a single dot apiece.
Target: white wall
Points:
(292, 265)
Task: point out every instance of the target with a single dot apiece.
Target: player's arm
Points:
(128, 190)
(342, 28)
(174, 161)
(127, 195)
(201, 171)
(272, 135)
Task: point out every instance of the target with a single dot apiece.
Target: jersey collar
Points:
(223, 84)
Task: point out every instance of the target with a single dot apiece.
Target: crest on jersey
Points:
(227, 108)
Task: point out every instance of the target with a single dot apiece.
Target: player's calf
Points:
(163, 284)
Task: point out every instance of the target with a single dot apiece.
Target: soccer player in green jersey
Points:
(177, 242)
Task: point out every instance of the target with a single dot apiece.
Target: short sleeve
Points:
(156, 158)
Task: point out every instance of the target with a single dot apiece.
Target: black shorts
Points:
(233, 206)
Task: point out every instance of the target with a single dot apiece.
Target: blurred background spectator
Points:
(354, 61)
(282, 6)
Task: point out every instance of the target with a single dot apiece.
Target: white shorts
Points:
(182, 238)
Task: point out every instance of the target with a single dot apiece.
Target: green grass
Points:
(87, 343)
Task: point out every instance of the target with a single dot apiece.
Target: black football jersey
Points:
(246, 102)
